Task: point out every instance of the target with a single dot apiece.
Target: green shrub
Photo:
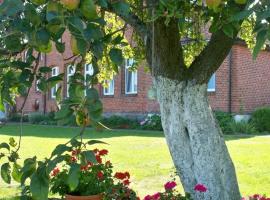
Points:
(152, 122)
(119, 122)
(224, 119)
(243, 127)
(37, 118)
(16, 117)
(261, 119)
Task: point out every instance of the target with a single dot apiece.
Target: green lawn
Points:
(145, 155)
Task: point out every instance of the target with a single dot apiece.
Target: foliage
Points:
(242, 127)
(82, 178)
(16, 117)
(119, 122)
(261, 119)
(37, 118)
(152, 122)
(224, 119)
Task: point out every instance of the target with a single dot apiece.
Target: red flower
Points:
(100, 175)
(126, 182)
(73, 159)
(103, 152)
(120, 175)
(55, 171)
(84, 168)
(170, 185)
(200, 188)
(99, 159)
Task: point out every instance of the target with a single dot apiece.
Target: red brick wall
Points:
(250, 85)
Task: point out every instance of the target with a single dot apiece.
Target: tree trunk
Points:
(195, 140)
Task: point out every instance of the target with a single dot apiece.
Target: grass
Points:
(145, 155)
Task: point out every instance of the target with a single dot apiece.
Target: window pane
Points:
(212, 83)
(109, 90)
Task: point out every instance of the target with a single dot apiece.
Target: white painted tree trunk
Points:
(195, 140)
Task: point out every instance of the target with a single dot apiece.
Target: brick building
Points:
(240, 84)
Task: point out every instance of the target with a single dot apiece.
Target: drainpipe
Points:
(230, 81)
(44, 96)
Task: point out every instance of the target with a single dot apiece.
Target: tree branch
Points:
(133, 20)
(211, 57)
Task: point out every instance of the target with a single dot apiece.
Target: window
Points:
(130, 78)
(212, 84)
(109, 89)
(70, 72)
(88, 70)
(37, 83)
(55, 72)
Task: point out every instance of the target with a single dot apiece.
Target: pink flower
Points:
(170, 185)
(156, 196)
(148, 197)
(200, 188)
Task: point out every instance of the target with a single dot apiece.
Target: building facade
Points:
(239, 85)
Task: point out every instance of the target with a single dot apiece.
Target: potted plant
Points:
(76, 179)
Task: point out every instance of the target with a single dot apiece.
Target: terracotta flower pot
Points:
(92, 197)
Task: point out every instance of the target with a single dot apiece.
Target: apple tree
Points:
(183, 41)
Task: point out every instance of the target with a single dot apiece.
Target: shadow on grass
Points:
(68, 132)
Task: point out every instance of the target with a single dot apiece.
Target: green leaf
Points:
(60, 149)
(5, 173)
(11, 7)
(228, 30)
(45, 69)
(63, 113)
(42, 37)
(92, 95)
(76, 23)
(260, 40)
(241, 15)
(88, 156)
(12, 142)
(88, 9)
(53, 163)
(82, 46)
(121, 7)
(92, 142)
(28, 169)
(16, 172)
(73, 176)
(116, 56)
(39, 185)
(4, 145)
(60, 47)
(92, 32)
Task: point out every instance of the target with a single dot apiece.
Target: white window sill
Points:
(211, 90)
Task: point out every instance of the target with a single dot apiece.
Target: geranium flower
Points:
(120, 175)
(99, 159)
(55, 171)
(103, 152)
(170, 185)
(200, 188)
(100, 175)
(148, 197)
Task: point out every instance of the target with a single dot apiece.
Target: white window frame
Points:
(89, 71)
(110, 84)
(55, 72)
(69, 74)
(134, 77)
(212, 89)
(37, 82)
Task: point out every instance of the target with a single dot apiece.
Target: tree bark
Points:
(195, 140)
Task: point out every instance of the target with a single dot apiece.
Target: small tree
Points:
(173, 36)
